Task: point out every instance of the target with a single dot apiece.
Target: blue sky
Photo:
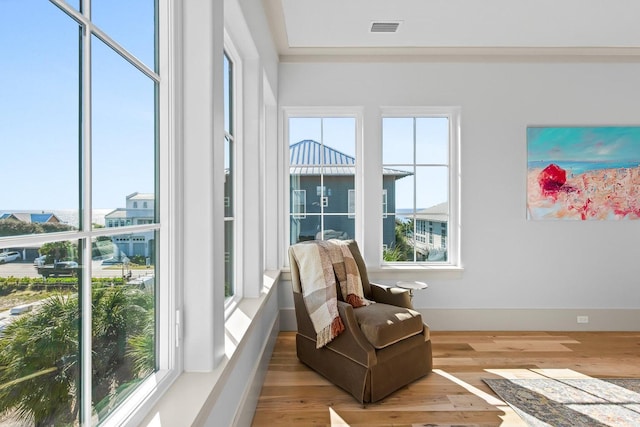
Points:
(40, 113)
(594, 144)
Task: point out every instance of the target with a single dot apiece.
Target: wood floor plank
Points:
(454, 394)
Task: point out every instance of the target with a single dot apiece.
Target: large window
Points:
(419, 185)
(80, 229)
(322, 162)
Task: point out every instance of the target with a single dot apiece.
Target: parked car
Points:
(9, 256)
(66, 264)
(60, 268)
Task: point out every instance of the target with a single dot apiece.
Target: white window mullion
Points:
(415, 192)
(322, 186)
(85, 282)
(125, 54)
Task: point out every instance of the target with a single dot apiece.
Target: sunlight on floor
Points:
(510, 418)
(537, 373)
(336, 420)
(556, 391)
(491, 400)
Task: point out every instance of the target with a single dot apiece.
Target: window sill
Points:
(404, 272)
(147, 393)
(412, 272)
(195, 393)
(239, 319)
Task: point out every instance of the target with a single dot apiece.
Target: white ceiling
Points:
(335, 27)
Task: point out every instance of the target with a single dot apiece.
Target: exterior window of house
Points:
(299, 204)
(87, 339)
(135, 205)
(322, 163)
(419, 152)
(443, 233)
(229, 165)
(352, 203)
(384, 203)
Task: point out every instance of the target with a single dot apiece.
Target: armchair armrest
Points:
(391, 295)
(351, 342)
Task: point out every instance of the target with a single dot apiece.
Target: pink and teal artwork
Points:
(583, 173)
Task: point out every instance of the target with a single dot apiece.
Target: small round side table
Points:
(412, 286)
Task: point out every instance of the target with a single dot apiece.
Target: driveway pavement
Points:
(27, 269)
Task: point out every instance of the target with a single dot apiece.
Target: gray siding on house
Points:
(318, 174)
(336, 212)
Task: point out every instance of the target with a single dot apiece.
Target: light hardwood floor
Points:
(454, 394)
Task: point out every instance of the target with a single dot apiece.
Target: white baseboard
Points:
(514, 319)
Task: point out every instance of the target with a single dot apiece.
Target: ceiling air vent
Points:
(384, 27)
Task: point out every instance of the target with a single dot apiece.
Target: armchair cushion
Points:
(384, 324)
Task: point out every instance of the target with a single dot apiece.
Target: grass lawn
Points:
(23, 297)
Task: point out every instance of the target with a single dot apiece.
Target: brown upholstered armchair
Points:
(384, 346)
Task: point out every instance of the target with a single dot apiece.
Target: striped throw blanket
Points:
(346, 270)
(320, 263)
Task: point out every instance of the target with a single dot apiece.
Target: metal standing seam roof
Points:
(309, 157)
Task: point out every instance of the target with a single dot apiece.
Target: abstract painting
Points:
(583, 173)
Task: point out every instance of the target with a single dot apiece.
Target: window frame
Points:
(453, 114)
(236, 125)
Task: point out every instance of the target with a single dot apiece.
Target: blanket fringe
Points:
(356, 300)
(326, 335)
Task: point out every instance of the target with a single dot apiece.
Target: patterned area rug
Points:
(592, 402)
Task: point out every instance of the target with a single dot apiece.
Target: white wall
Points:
(509, 262)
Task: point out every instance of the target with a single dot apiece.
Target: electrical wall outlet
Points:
(583, 319)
